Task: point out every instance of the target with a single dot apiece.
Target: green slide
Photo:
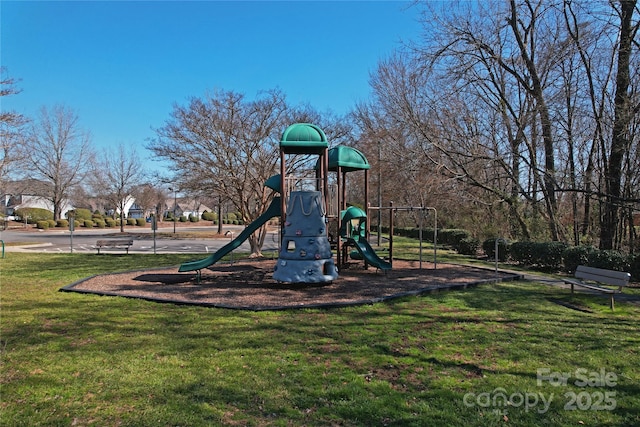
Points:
(369, 254)
(272, 211)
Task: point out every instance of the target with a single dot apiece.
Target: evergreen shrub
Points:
(609, 259)
(209, 216)
(573, 256)
(42, 224)
(82, 214)
(521, 252)
(99, 222)
(489, 248)
(141, 222)
(34, 215)
(62, 223)
(468, 246)
(131, 221)
(450, 236)
(88, 223)
(548, 255)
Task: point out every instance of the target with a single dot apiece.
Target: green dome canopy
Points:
(352, 212)
(303, 138)
(352, 222)
(348, 158)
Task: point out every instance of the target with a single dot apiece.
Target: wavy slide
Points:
(272, 211)
(369, 254)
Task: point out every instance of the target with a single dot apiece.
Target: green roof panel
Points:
(303, 138)
(348, 158)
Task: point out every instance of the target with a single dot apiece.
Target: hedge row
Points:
(34, 215)
(446, 236)
(548, 256)
(89, 223)
(555, 256)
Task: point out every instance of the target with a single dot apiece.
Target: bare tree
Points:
(115, 176)
(150, 198)
(621, 137)
(515, 102)
(11, 129)
(59, 152)
(226, 145)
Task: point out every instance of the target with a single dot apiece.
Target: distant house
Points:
(187, 206)
(136, 211)
(28, 194)
(131, 209)
(22, 201)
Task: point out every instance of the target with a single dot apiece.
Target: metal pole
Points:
(175, 202)
(435, 238)
(391, 211)
(72, 226)
(154, 227)
(420, 236)
(379, 189)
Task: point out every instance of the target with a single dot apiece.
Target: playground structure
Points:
(314, 216)
(305, 251)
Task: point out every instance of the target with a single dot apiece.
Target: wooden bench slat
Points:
(114, 242)
(121, 243)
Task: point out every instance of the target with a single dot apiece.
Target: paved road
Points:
(83, 240)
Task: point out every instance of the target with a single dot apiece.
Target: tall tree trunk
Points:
(535, 89)
(620, 138)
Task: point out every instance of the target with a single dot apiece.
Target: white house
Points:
(187, 207)
(11, 203)
(131, 209)
(27, 194)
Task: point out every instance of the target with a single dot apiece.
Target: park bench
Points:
(596, 279)
(119, 244)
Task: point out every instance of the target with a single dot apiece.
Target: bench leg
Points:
(611, 304)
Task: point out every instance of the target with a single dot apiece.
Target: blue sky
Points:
(121, 65)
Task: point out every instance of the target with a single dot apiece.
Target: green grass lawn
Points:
(504, 354)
